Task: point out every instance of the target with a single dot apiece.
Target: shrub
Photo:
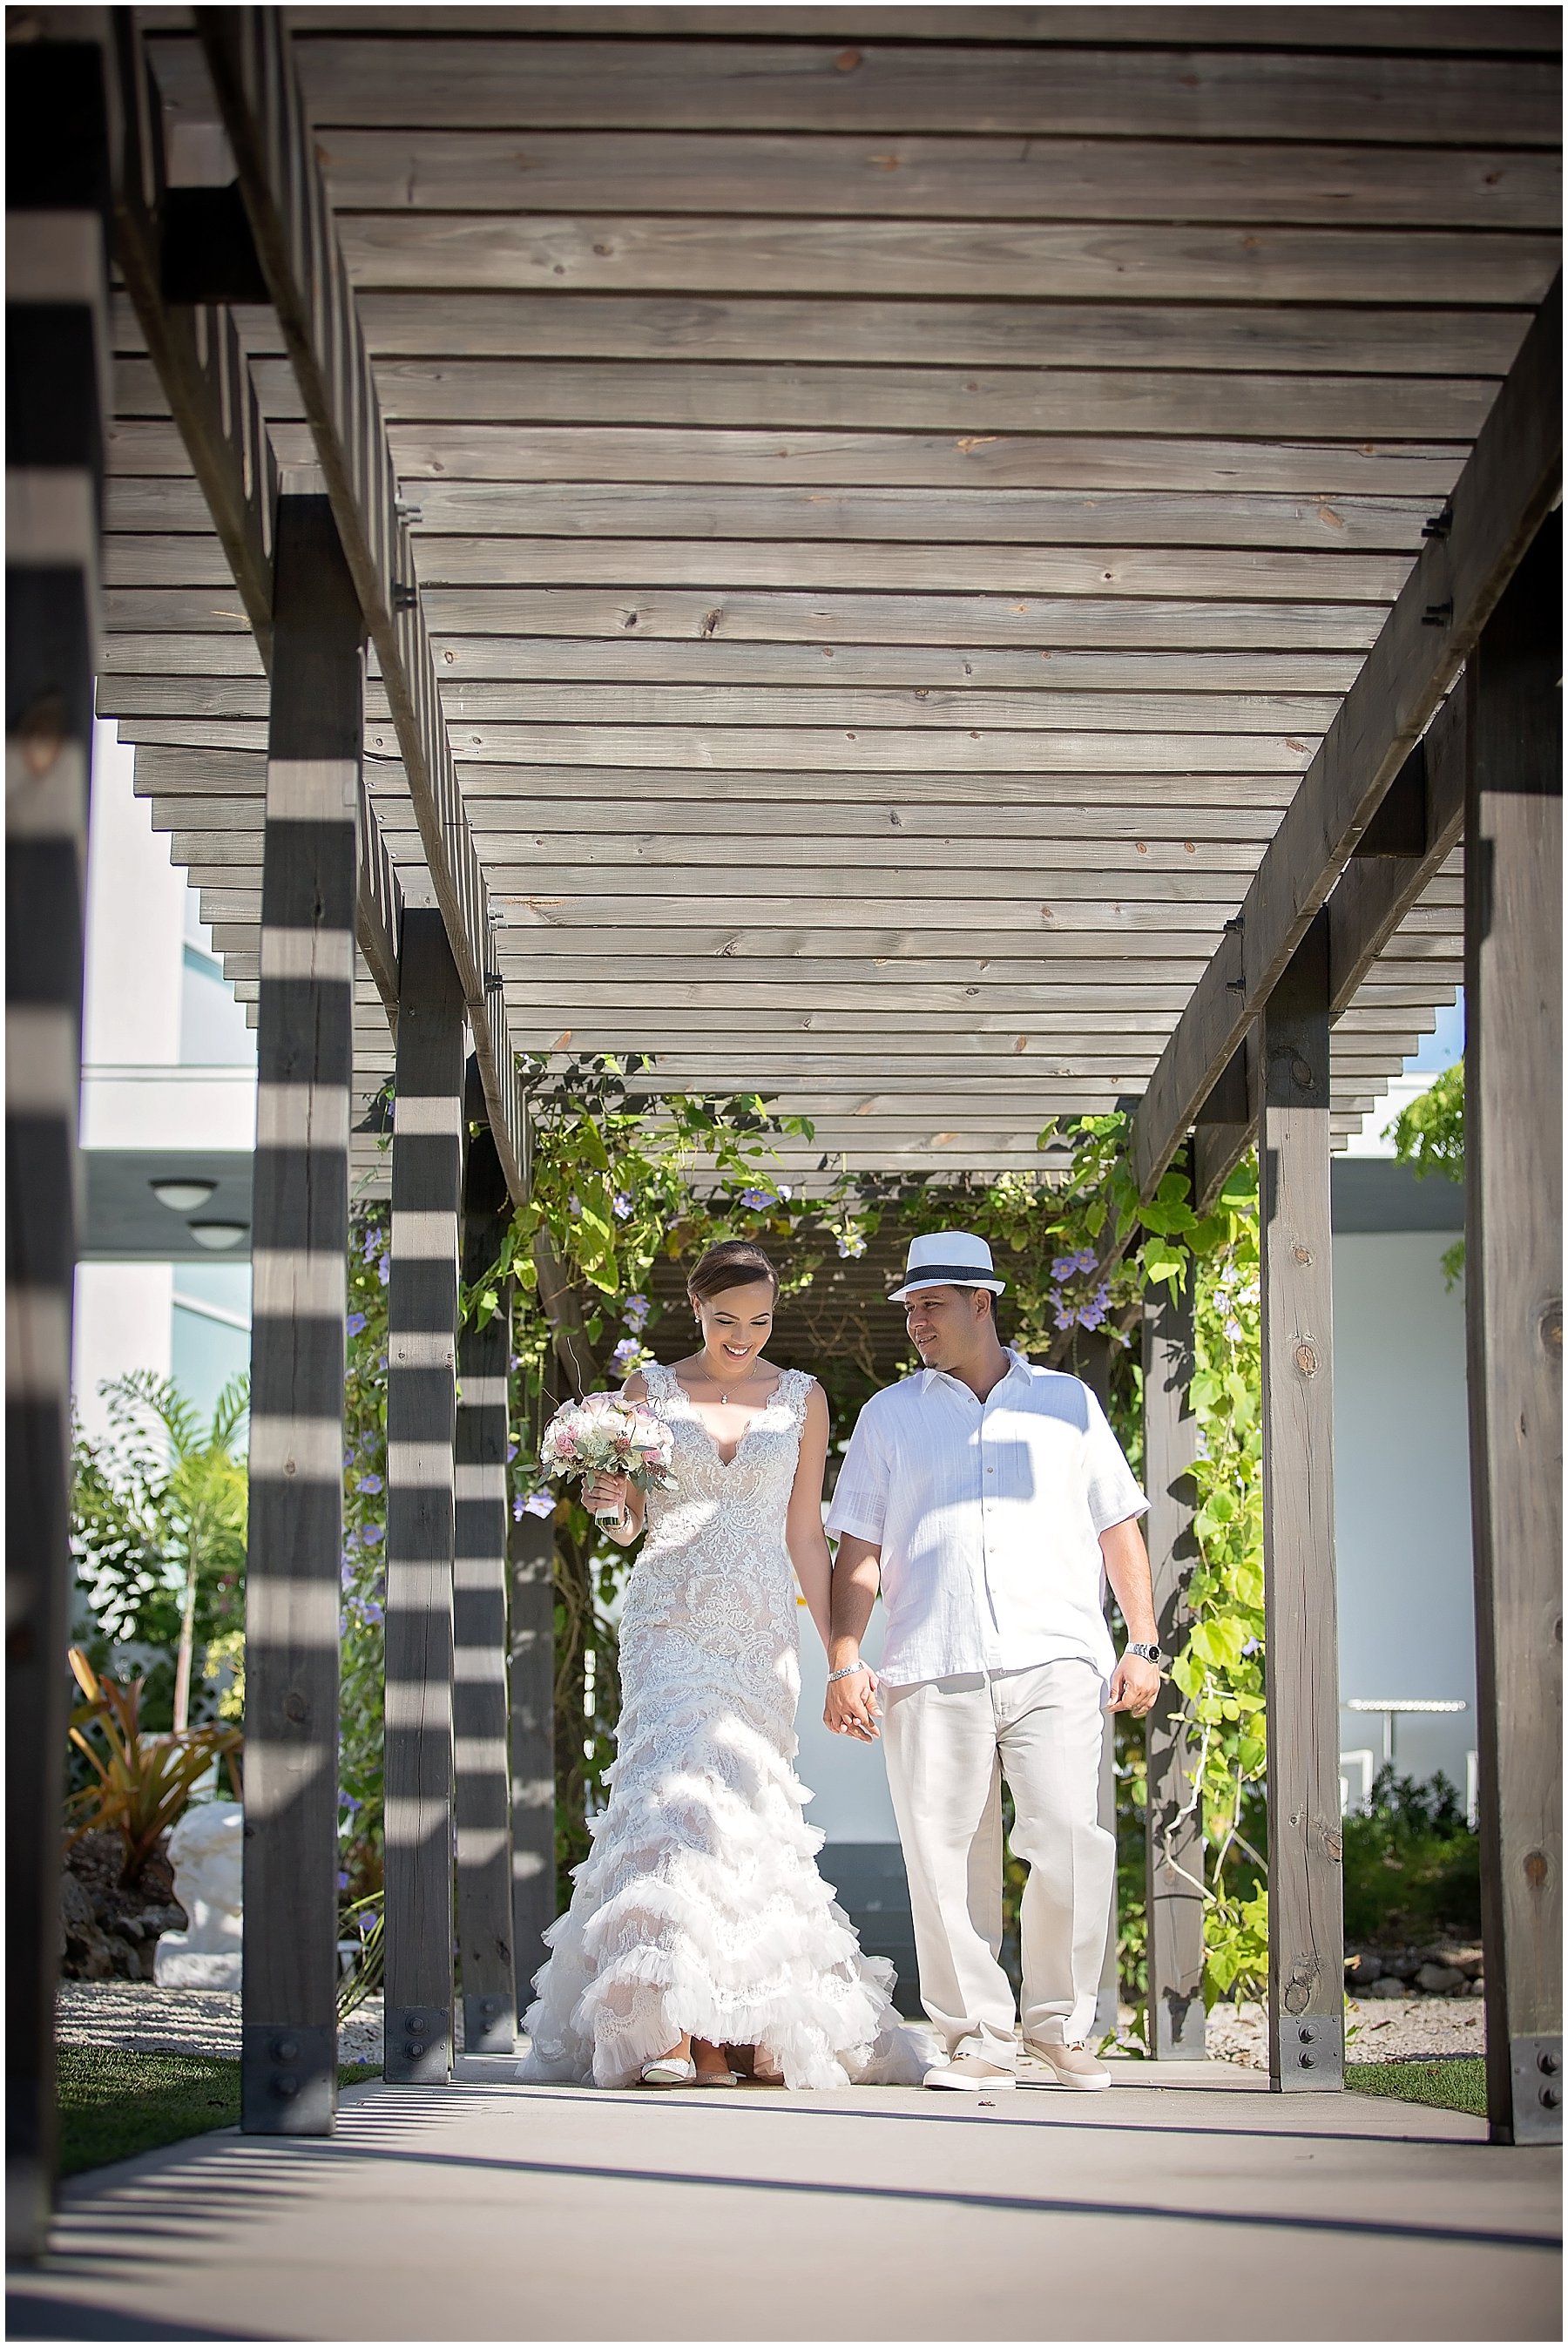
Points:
(1412, 1865)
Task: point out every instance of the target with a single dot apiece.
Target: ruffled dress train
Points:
(700, 1907)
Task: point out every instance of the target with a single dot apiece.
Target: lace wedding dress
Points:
(700, 1907)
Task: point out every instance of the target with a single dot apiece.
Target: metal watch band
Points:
(847, 1671)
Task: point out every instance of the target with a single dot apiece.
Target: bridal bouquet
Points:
(606, 1436)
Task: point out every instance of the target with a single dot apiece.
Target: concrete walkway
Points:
(491, 2210)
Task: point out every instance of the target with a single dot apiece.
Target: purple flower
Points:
(1251, 1646)
(620, 1206)
(355, 1323)
(1063, 1267)
(346, 1801)
(518, 1507)
(635, 1311)
(758, 1199)
(383, 1269)
(511, 1452)
(1087, 1259)
(539, 1503)
(369, 1483)
(850, 1245)
(372, 1610)
(625, 1353)
(343, 1882)
(370, 1534)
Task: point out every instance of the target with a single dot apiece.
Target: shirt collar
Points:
(1018, 1367)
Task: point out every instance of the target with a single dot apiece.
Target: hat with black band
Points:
(948, 1259)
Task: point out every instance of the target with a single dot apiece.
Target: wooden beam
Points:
(1377, 889)
(421, 1431)
(305, 1046)
(1174, 1874)
(207, 381)
(56, 325)
(1513, 1205)
(577, 173)
(247, 52)
(1195, 91)
(484, 1863)
(1307, 1936)
(532, 1687)
(1509, 483)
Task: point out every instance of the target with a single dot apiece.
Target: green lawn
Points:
(1456, 2083)
(114, 2104)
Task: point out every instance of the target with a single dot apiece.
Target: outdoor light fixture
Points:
(219, 1236)
(182, 1197)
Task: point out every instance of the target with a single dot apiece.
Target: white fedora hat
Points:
(948, 1259)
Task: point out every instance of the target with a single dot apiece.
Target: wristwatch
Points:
(1149, 1654)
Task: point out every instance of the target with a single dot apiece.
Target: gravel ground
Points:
(1391, 2031)
(137, 2015)
(147, 2020)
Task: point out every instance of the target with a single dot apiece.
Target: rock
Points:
(1468, 1960)
(205, 1850)
(1476, 1988)
(1440, 1980)
(1387, 1987)
(1404, 1966)
(1362, 1970)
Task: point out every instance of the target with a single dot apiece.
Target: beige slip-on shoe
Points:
(1074, 2066)
(970, 2073)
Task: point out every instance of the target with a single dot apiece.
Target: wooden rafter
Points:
(1510, 481)
(248, 56)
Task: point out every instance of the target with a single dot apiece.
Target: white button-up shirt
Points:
(989, 1517)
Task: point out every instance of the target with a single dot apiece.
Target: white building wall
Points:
(135, 922)
(1401, 1499)
(124, 1321)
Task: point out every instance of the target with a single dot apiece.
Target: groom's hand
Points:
(1134, 1685)
(851, 1709)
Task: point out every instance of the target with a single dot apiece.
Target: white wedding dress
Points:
(700, 1907)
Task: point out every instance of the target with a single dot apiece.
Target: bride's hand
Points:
(606, 1491)
(851, 1709)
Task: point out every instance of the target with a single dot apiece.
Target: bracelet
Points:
(847, 1671)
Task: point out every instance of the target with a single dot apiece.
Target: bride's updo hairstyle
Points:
(731, 1263)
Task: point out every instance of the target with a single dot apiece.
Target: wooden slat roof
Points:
(903, 494)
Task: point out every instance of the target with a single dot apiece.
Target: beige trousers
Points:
(949, 1744)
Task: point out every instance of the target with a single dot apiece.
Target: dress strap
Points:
(796, 1392)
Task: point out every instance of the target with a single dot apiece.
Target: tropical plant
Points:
(143, 1783)
(158, 1521)
(1429, 1135)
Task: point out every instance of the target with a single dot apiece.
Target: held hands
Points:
(852, 1708)
(1134, 1685)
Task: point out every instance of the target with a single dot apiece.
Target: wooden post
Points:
(1089, 1359)
(421, 1429)
(57, 323)
(1514, 1282)
(479, 1611)
(1306, 1928)
(1174, 1898)
(304, 1042)
(532, 1687)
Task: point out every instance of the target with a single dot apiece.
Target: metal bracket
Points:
(1536, 2065)
(489, 2025)
(418, 2042)
(1309, 2054)
(288, 2080)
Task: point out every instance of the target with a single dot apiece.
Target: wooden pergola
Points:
(954, 567)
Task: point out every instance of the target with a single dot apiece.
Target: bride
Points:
(701, 1937)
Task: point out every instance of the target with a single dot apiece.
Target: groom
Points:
(989, 1499)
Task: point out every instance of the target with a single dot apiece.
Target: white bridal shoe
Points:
(669, 2070)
